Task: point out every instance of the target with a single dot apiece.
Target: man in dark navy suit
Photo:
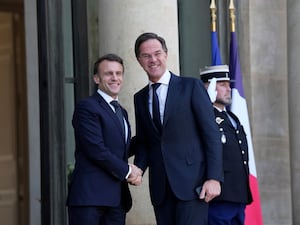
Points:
(98, 192)
(176, 137)
(229, 207)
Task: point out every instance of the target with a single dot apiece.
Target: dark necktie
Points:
(119, 113)
(228, 119)
(224, 113)
(155, 107)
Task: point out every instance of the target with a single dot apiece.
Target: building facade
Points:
(46, 53)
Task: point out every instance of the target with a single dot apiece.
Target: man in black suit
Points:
(98, 192)
(176, 137)
(229, 207)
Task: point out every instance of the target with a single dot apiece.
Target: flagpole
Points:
(215, 52)
(253, 213)
(232, 16)
(213, 10)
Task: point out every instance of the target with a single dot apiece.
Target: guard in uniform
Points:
(229, 207)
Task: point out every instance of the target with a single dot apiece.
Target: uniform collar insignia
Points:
(219, 120)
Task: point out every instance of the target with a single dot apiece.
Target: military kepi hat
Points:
(220, 72)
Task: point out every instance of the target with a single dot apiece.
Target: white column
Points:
(121, 22)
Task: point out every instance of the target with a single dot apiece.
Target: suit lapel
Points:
(234, 117)
(145, 105)
(174, 91)
(104, 105)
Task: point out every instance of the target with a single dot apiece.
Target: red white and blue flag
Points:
(239, 108)
(215, 52)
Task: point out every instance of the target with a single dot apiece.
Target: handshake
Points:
(135, 176)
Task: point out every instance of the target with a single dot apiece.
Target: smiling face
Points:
(109, 77)
(153, 59)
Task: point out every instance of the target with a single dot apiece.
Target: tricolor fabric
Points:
(215, 52)
(239, 108)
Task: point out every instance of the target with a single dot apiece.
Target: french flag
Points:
(215, 52)
(239, 108)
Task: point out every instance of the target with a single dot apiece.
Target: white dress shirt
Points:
(108, 99)
(161, 91)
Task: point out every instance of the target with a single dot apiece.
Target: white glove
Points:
(211, 90)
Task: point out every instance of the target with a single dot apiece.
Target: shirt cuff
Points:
(129, 172)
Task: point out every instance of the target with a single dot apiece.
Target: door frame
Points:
(17, 10)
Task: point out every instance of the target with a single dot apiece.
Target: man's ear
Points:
(96, 78)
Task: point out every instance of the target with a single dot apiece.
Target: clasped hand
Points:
(135, 177)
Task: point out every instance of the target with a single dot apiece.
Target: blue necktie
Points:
(119, 113)
(155, 107)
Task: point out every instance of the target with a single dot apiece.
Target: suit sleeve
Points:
(140, 149)
(210, 134)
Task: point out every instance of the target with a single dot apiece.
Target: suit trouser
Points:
(173, 211)
(226, 213)
(101, 215)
